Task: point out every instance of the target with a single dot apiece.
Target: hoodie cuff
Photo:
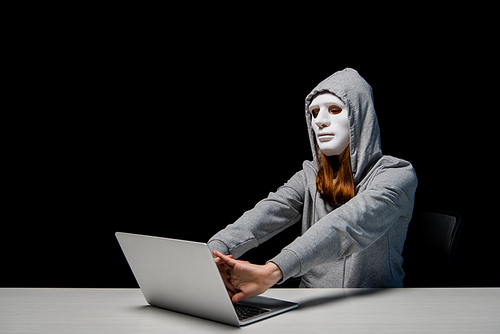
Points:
(218, 246)
(289, 264)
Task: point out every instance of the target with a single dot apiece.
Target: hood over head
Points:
(357, 95)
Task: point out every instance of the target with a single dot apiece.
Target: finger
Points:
(218, 261)
(221, 265)
(226, 259)
(230, 287)
(238, 297)
(226, 278)
(214, 252)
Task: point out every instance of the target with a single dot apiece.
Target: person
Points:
(354, 204)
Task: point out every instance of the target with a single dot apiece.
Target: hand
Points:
(225, 273)
(248, 280)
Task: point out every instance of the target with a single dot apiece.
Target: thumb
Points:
(238, 297)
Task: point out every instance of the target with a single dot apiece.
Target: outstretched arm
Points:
(248, 280)
(269, 217)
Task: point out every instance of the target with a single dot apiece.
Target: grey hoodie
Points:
(357, 244)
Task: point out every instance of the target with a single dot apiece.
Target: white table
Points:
(320, 311)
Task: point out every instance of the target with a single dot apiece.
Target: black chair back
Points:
(430, 247)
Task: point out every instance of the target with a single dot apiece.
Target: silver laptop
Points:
(182, 276)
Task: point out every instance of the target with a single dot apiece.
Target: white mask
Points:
(330, 123)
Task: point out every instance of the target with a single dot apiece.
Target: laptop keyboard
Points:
(244, 312)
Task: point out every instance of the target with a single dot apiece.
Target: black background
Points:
(137, 125)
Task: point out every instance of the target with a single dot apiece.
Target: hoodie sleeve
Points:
(355, 225)
(268, 218)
